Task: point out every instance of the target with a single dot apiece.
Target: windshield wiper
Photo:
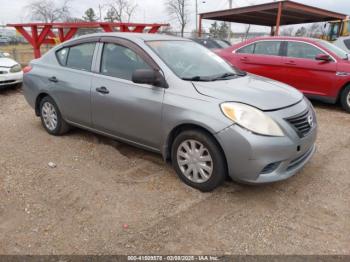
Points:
(196, 78)
(223, 76)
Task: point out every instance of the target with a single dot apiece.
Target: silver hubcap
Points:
(49, 115)
(195, 161)
(348, 99)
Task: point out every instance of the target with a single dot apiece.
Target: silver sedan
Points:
(175, 97)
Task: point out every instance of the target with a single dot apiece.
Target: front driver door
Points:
(305, 73)
(120, 107)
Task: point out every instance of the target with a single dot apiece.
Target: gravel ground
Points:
(105, 197)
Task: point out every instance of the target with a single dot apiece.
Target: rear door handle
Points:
(53, 79)
(290, 63)
(244, 59)
(102, 90)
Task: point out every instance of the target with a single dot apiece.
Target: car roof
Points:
(284, 38)
(306, 39)
(271, 38)
(136, 36)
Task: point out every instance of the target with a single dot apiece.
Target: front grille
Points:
(299, 159)
(302, 123)
(7, 82)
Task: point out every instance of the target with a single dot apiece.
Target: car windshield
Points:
(191, 61)
(2, 54)
(334, 49)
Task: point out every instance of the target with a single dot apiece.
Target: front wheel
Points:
(198, 160)
(51, 117)
(345, 99)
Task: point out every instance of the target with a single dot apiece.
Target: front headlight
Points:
(16, 68)
(251, 118)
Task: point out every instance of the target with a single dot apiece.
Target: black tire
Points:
(344, 99)
(219, 169)
(61, 127)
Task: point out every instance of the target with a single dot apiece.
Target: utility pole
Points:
(196, 4)
(229, 28)
(100, 12)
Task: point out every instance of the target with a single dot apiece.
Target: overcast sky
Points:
(151, 11)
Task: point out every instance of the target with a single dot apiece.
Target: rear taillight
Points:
(27, 69)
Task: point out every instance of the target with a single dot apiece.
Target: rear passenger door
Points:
(261, 58)
(71, 81)
(304, 72)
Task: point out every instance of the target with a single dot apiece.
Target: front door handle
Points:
(244, 59)
(53, 79)
(102, 90)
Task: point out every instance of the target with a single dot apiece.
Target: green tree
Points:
(221, 30)
(214, 29)
(90, 15)
(111, 15)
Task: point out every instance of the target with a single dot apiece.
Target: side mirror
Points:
(150, 77)
(323, 57)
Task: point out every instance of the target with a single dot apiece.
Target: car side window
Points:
(302, 50)
(119, 61)
(249, 49)
(62, 55)
(267, 48)
(80, 56)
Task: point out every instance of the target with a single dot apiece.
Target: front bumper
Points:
(256, 159)
(11, 79)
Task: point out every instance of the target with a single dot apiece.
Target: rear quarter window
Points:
(62, 55)
(249, 49)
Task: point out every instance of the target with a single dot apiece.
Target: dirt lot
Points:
(99, 185)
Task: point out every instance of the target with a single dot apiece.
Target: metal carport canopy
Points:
(273, 14)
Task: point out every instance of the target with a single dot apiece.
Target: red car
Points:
(317, 68)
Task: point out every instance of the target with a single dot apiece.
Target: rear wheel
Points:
(345, 99)
(51, 117)
(198, 160)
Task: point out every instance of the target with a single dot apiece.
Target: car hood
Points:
(260, 92)
(7, 62)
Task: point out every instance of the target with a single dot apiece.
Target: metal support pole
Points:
(230, 25)
(200, 26)
(278, 21)
(196, 15)
(36, 44)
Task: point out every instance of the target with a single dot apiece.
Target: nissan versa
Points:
(175, 97)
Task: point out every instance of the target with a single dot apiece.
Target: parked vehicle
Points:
(212, 43)
(316, 67)
(4, 40)
(338, 32)
(343, 43)
(175, 97)
(10, 71)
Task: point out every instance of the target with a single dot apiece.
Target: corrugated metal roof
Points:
(266, 14)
